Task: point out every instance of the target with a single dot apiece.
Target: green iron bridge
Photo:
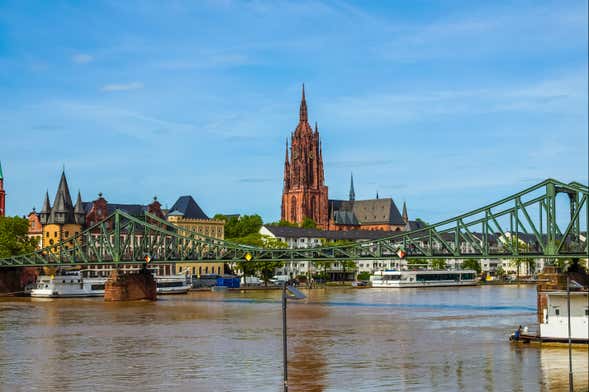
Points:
(547, 220)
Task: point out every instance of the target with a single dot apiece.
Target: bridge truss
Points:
(547, 220)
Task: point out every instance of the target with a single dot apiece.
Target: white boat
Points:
(425, 278)
(173, 284)
(68, 284)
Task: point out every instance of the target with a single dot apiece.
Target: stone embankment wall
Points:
(130, 286)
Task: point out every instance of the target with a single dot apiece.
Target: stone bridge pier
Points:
(130, 286)
(14, 279)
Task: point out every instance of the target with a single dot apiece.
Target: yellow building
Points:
(187, 214)
(63, 220)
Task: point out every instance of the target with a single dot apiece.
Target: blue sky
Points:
(446, 105)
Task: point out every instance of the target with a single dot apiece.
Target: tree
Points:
(348, 265)
(240, 227)
(13, 237)
(283, 223)
(364, 275)
(500, 272)
(438, 264)
(308, 223)
(472, 264)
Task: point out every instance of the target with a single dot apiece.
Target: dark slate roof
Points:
(415, 225)
(62, 203)
(132, 209)
(187, 206)
(298, 232)
(366, 212)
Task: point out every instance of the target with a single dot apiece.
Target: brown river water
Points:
(437, 339)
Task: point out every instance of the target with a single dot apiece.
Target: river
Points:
(437, 339)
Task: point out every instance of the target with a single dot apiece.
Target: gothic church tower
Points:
(304, 194)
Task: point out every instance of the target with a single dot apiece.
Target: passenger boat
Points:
(68, 284)
(173, 284)
(424, 278)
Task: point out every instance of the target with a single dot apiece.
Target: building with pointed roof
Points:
(60, 221)
(2, 194)
(187, 214)
(304, 193)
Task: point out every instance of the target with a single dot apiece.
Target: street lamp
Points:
(288, 292)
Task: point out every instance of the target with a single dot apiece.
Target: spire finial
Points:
(352, 193)
(303, 109)
(286, 155)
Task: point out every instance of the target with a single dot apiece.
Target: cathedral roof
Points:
(366, 212)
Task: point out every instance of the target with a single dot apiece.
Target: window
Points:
(67, 234)
(47, 234)
(55, 233)
(557, 311)
(586, 311)
(179, 269)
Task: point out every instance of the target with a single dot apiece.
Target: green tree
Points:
(308, 223)
(500, 272)
(472, 264)
(348, 265)
(364, 275)
(438, 264)
(13, 237)
(283, 223)
(239, 227)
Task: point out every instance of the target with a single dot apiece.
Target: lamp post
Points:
(292, 293)
(569, 327)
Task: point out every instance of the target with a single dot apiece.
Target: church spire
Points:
(405, 216)
(352, 193)
(303, 109)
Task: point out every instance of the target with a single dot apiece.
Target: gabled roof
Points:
(187, 206)
(366, 212)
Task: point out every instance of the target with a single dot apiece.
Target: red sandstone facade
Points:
(304, 194)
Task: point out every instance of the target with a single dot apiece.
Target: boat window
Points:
(63, 281)
(557, 311)
(586, 311)
(97, 287)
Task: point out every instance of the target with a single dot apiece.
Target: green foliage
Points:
(240, 227)
(13, 237)
(472, 264)
(308, 223)
(365, 275)
(500, 272)
(283, 223)
(439, 264)
(263, 269)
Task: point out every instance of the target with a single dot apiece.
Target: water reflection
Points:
(339, 340)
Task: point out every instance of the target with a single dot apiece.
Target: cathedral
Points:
(305, 194)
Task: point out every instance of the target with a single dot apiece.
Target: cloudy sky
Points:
(445, 105)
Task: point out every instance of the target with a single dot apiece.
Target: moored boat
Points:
(67, 285)
(173, 284)
(423, 278)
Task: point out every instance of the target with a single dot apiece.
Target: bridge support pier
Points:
(13, 280)
(130, 286)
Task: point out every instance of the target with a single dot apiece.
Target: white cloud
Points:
(82, 58)
(122, 87)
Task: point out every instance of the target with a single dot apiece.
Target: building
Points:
(63, 220)
(35, 228)
(99, 209)
(305, 194)
(2, 194)
(186, 213)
